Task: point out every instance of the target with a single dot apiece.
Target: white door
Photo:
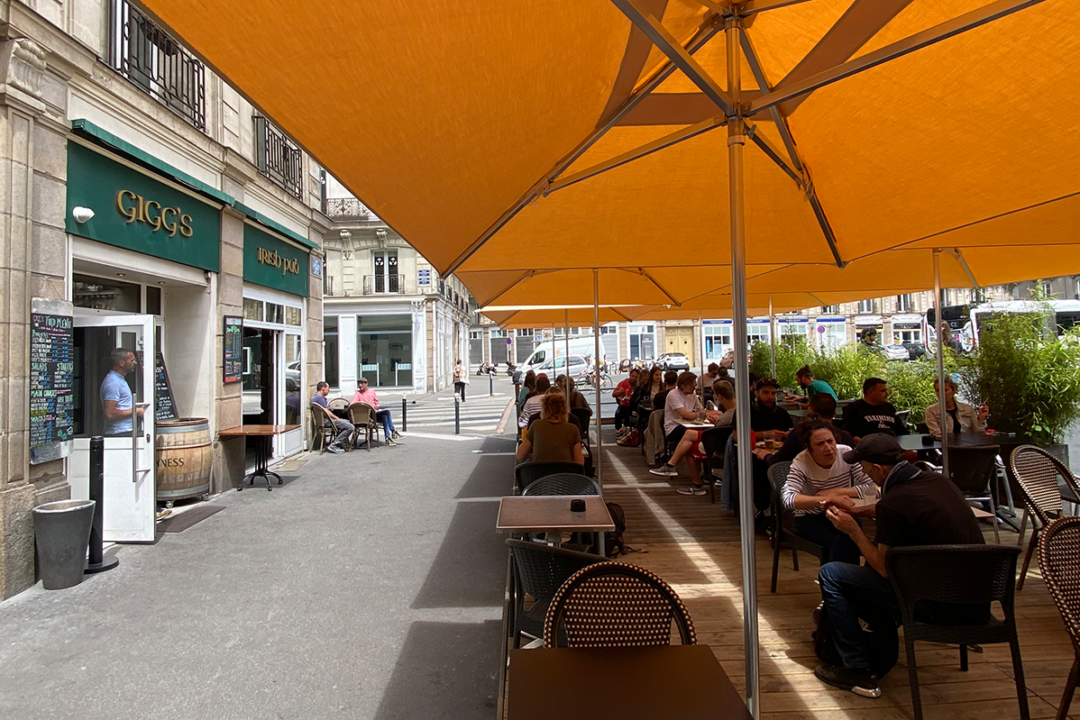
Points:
(130, 483)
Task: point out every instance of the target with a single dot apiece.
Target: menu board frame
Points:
(56, 449)
(234, 324)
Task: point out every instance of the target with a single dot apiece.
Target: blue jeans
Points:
(387, 424)
(839, 547)
(850, 592)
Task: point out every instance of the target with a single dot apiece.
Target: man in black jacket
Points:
(873, 414)
(917, 507)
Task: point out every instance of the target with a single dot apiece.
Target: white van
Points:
(548, 350)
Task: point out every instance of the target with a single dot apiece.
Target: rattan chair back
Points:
(362, 414)
(613, 604)
(1036, 473)
(1059, 546)
(338, 403)
(321, 427)
(561, 484)
(971, 468)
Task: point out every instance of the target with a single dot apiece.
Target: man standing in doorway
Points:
(366, 395)
(116, 400)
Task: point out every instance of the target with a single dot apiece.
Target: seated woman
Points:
(552, 438)
(528, 387)
(817, 473)
(962, 417)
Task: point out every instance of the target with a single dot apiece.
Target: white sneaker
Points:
(334, 449)
(665, 471)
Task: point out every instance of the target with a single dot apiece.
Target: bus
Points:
(965, 320)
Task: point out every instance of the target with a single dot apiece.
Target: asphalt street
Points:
(369, 585)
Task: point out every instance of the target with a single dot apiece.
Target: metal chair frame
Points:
(714, 441)
(529, 472)
(777, 479)
(972, 470)
(614, 604)
(561, 484)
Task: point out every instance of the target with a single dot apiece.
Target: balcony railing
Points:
(346, 209)
(153, 60)
(384, 284)
(278, 158)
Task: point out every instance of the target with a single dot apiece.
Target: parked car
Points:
(557, 366)
(896, 352)
(673, 361)
(915, 349)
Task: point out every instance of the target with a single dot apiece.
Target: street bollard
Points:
(457, 417)
(96, 562)
(491, 384)
(404, 414)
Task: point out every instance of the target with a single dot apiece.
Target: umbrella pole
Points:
(938, 319)
(736, 141)
(596, 377)
(700, 341)
(566, 360)
(772, 340)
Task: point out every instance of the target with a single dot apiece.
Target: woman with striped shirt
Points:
(818, 472)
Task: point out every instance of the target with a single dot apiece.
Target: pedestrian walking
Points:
(461, 379)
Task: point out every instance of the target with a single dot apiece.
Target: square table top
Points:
(676, 681)
(695, 425)
(256, 430)
(518, 513)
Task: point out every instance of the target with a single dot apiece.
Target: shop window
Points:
(102, 294)
(275, 313)
(385, 344)
(153, 300)
(292, 316)
(253, 309)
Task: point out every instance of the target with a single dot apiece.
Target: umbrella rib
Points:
(955, 252)
(524, 276)
(667, 44)
(943, 31)
(645, 272)
(700, 38)
(645, 150)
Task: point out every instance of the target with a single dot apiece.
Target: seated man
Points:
(623, 392)
(552, 438)
(962, 417)
(344, 428)
(689, 445)
(770, 422)
(821, 406)
(531, 408)
(872, 414)
(705, 382)
(817, 473)
(917, 507)
(367, 395)
(575, 399)
(805, 377)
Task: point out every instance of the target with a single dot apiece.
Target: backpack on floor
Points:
(879, 632)
(613, 541)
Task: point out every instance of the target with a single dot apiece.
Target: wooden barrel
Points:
(183, 458)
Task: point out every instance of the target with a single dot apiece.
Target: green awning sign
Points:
(274, 263)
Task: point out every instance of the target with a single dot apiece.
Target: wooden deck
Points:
(694, 546)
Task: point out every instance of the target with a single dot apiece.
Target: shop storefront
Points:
(793, 328)
(830, 332)
(907, 328)
(716, 334)
(642, 338)
(865, 323)
(382, 342)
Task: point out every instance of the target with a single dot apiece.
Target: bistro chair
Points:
(712, 467)
(362, 416)
(614, 604)
(972, 469)
(322, 430)
(1059, 546)
(561, 484)
(338, 403)
(1036, 473)
(539, 571)
(528, 472)
(781, 517)
(927, 579)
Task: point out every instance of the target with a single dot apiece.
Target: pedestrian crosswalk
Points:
(479, 414)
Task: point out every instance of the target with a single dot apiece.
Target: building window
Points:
(385, 278)
(866, 306)
(903, 303)
(153, 60)
(830, 309)
(1047, 289)
(385, 345)
(278, 158)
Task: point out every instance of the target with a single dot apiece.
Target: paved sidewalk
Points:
(368, 586)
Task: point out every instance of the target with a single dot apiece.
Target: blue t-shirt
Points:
(115, 388)
(319, 400)
(819, 386)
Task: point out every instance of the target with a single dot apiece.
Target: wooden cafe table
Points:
(671, 681)
(263, 451)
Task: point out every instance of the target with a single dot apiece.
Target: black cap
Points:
(879, 449)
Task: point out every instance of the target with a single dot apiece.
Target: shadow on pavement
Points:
(492, 476)
(445, 670)
(470, 568)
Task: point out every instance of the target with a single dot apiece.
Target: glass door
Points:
(114, 399)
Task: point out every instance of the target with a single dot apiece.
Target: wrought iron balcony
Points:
(346, 209)
(278, 158)
(384, 284)
(153, 60)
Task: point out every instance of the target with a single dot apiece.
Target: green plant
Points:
(1029, 376)
(911, 384)
(845, 368)
(791, 354)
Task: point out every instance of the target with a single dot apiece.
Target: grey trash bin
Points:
(62, 531)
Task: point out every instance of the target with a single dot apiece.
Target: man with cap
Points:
(917, 507)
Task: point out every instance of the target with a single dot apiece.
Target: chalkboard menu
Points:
(233, 348)
(52, 393)
(166, 404)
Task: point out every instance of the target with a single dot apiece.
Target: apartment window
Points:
(866, 306)
(384, 278)
(278, 158)
(830, 309)
(153, 60)
(1047, 290)
(903, 303)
